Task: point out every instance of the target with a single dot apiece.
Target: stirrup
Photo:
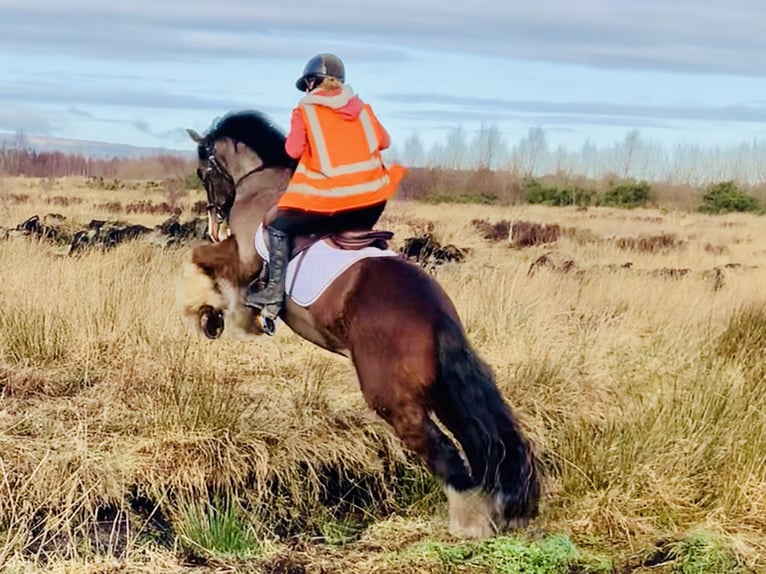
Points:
(268, 325)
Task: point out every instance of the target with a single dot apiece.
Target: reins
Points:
(248, 174)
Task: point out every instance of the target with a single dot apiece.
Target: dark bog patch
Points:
(527, 233)
(155, 525)
(660, 553)
(427, 252)
(288, 563)
(661, 243)
(716, 249)
(104, 234)
(498, 231)
(150, 207)
(45, 229)
(670, 273)
(548, 262)
(107, 530)
(518, 233)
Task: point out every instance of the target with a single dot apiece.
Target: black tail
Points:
(468, 402)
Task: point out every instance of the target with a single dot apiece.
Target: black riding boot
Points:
(270, 299)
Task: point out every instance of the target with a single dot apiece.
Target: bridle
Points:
(212, 170)
(215, 170)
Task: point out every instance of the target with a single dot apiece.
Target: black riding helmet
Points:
(321, 66)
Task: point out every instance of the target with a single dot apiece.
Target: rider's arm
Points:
(296, 141)
(384, 140)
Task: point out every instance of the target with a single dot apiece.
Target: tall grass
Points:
(122, 437)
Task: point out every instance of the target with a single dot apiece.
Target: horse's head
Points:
(236, 146)
(218, 184)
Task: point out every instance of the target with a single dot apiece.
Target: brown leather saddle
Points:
(353, 240)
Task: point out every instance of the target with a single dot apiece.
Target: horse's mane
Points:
(256, 131)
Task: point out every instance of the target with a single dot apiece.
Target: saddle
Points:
(352, 240)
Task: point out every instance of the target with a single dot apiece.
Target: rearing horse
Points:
(393, 320)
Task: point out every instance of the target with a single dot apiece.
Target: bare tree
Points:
(488, 146)
(562, 162)
(435, 155)
(20, 142)
(628, 150)
(528, 153)
(414, 153)
(455, 150)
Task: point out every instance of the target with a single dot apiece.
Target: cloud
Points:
(169, 31)
(74, 94)
(80, 113)
(602, 113)
(703, 36)
(21, 119)
(550, 121)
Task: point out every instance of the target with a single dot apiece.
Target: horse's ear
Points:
(194, 136)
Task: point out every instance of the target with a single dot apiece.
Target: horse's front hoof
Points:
(268, 325)
(211, 322)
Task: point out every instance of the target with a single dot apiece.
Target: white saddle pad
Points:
(312, 271)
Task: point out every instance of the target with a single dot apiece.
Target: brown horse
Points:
(392, 319)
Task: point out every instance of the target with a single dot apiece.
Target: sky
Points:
(139, 72)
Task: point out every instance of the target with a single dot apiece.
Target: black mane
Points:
(256, 131)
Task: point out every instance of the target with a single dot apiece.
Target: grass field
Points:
(128, 445)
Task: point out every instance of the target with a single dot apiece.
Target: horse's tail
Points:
(468, 402)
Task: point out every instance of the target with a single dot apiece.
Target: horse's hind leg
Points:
(409, 417)
(419, 434)
(468, 402)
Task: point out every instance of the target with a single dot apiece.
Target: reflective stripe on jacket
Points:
(342, 168)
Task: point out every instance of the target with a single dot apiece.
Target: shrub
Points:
(536, 192)
(726, 197)
(627, 194)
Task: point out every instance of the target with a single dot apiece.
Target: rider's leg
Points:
(287, 224)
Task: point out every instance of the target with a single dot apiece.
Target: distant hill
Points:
(94, 149)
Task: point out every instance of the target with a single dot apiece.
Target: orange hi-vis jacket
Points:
(342, 167)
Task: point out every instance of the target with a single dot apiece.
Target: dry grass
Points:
(120, 434)
(142, 202)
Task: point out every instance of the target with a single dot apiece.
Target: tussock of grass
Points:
(744, 338)
(217, 528)
(30, 335)
(704, 553)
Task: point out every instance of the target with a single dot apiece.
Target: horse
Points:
(393, 320)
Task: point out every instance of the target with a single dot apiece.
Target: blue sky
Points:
(140, 71)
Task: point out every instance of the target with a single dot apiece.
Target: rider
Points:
(340, 183)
